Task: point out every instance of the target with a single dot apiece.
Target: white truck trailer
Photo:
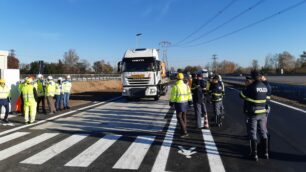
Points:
(143, 74)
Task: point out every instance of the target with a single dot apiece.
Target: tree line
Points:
(69, 64)
(280, 63)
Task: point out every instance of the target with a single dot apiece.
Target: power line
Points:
(252, 24)
(228, 21)
(207, 22)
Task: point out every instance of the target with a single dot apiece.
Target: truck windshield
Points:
(138, 64)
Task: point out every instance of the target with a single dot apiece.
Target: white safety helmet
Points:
(60, 78)
(39, 76)
(50, 77)
(68, 77)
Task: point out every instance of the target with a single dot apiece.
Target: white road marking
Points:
(214, 159)
(85, 158)
(135, 154)
(54, 150)
(163, 154)
(55, 117)
(12, 136)
(282, 104)
(6, 153)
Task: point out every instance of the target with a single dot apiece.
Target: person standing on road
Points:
(50, 90)
(255, 97)
(216, 89)
(29, 96)
(180, 99)
(58, 94)
(198, 98)
(67, 89)
(5, 93)
(41, 92)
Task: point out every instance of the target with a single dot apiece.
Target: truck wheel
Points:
(156, 98)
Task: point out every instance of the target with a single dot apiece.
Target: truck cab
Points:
(143, 74)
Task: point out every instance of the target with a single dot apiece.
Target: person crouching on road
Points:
(180, 99)
(198, 98)
(29, 96)
(50, 89)
(67, 89)
(255, 97)
(5, 93)
(58, 94)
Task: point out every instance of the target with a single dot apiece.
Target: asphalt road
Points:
(144, 136)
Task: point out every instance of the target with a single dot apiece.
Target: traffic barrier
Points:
(81, 77)
(292, 92)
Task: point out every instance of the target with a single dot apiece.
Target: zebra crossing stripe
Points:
(6, 153)
(135, 154)
(54, 150)
(214, 159)
(93, 152)
(163, 154)
(12, 136)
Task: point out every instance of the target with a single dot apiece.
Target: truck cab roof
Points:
(142, 52)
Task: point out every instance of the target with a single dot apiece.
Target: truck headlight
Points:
(152, 91)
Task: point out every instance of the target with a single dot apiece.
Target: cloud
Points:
(165, 9)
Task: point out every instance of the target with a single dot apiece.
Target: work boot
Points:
(253, 154)
(265, 143)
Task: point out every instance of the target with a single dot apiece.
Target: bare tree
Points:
(286, 61)
(71, 60)
(255, 64)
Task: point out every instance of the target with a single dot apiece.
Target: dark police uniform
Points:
(217, 92)
(255, 97)
(198, 98)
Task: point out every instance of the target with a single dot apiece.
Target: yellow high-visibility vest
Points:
(50, 90)
(67, 86)
(40, 88)
(58, 89)
(5, 92)
(28, 93)
(180, 93)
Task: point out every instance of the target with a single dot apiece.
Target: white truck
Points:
(143, 74)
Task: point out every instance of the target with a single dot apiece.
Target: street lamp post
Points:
(137, 39)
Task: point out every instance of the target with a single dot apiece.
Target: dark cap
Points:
(255, 74)
(193, 75)
(216, 77)
(199, 75)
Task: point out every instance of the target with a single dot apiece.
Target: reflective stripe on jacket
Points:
(180, 93)
(50, 90)
(40, 88)
(4, 92)
(67, 86)
(28, 93)
(58, 89)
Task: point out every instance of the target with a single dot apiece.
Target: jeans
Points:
(58, 101)
(66, 100)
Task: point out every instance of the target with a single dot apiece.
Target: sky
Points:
(105, 29)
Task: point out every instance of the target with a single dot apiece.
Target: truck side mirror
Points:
(119, 67)
(158, 67)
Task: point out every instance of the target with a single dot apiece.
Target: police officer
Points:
(255, 97)
(5, 93)
(29, 96)
(198, 98)
(216, 89)
(180, 99)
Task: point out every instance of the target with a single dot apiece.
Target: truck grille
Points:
(138, 81)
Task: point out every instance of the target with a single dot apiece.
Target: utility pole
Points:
(214, 62)
(165, 45)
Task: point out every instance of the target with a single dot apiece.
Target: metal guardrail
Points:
(81, 77)
(293, 92)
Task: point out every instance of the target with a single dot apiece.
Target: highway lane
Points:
(288, 143)
(144, 136)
